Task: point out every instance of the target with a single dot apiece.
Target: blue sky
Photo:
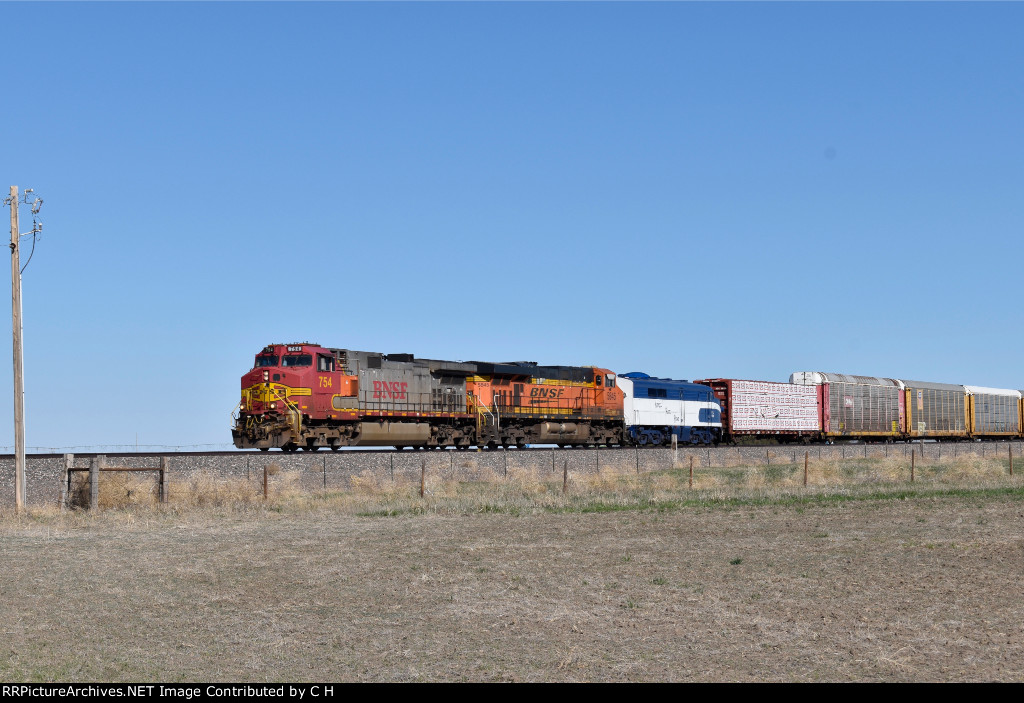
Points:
(687, 189)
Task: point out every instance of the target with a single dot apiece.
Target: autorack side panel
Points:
(993, 412)
(935, 409)
(765, 407)
(858, 406)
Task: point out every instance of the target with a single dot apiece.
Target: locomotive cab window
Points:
(324, 363)
(267, 360)
(609, 381)
(597, 380)
(297, 360)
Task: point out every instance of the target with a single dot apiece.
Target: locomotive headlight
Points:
(266, 375)
(273, 406)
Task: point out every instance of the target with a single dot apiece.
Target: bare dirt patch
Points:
(927, 588)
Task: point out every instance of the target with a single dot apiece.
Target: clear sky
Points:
(686, 189)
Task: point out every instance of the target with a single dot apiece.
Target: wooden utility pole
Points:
(19, 366)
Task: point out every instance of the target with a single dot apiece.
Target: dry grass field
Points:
(748, 576)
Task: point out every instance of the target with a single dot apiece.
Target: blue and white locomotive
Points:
(655, 409)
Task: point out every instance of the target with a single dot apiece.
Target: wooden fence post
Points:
(1011, 458)
(423, 475)
(265, 482)
(912, 455)
(807, 456)
(691, 472)
(565, 476)
(165, 465)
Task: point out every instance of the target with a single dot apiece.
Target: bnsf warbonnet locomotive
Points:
(304, 396)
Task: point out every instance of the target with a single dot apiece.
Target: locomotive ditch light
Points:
(266, 375)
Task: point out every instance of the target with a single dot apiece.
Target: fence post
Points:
(807, 456)
(565, 476)
(65, 485)
(94, 481)
(264, 482)
(912, 461)
(165, 465)
(637, 450)
(423, 475)
(1011, 458)
(691, 471)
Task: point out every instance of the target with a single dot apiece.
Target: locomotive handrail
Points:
(293, 407)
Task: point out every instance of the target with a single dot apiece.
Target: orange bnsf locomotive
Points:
(304, 396)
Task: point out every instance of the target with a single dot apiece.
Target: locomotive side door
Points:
(598, 389)
(327, 384)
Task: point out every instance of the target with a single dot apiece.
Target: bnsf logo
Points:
(546, 392)
(395, 391)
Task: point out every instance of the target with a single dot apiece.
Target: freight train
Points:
(304, 396)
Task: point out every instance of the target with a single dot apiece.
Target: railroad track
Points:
(778, 448)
